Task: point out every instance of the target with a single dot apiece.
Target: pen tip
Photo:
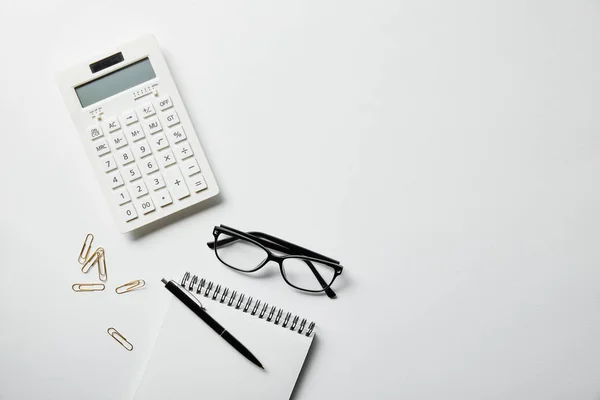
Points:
(163, 280)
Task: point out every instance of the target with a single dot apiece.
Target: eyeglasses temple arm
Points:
(231, 239)
(328, 291)
(292, 246)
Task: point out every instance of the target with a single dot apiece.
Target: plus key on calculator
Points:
(137, 134)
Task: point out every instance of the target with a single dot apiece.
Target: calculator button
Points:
(163, 198)
(171, 118)
(139, 189)
(147, 205)
(156, 181)
(95, 132)
(115, 179)
(198, 183)
(101, 147)
(149, 165)
(141, 148)
(112, 124)
(133, 173)
(108, 163)
(167, 158)
(128, 212)
(146, 110)
(176, 135)
(122, 196)
(153, 125)
(184, 151)
(135, 132)
(176, 183)
(125, 156)
(159, 142)
(190, 167)
(118, 140)
(164, 103)
(129, 117)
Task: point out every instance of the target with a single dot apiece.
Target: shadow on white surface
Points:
(174, 218)
(308, 363)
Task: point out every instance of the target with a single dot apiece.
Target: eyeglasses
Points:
(300, 268)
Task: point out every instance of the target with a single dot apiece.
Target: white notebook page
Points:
(191, 361)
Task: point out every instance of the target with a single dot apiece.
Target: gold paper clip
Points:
(85, 249)
(129, 286)
(101, 265)
(92, 260)
(120, 339)
(88, 287)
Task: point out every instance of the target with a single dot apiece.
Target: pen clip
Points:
(191, 295)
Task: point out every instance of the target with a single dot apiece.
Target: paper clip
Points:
(129, 286)
(120, 338)
(85, 249)
(91, 261)
(101, 265)
(87, 287)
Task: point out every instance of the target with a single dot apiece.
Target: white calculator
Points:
(137, 134)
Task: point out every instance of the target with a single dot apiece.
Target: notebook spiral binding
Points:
(247, 305)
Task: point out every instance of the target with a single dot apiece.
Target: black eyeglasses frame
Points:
(267, 243)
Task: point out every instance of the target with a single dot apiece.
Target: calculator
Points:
(137, 134)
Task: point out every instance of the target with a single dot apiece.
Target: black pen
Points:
(193, 305)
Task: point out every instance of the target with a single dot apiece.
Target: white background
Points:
(446, 152)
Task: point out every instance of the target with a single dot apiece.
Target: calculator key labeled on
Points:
(176, 183)
(125, 156)
(129, 117)
(122, 196)
(156, 181)
(112, 124)
(163, 198)
(184, 151)
(118, 140)
(128, 212)
(146, 205)
(141, 149)
(190, 167)
(139, 189)
(135, 132)
(153, 125)
(149, 165)
(146, 110)
(171, 118)
(101, 147)
(166, 158)
(94, 132)
(176, 135)
(108, 163)
(164, 103)
(115, 179)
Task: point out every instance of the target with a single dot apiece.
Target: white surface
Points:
(446, 152)
(214, 368)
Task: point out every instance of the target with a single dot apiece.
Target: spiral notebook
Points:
(191, 361)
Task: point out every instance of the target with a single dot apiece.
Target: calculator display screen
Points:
(115, 82)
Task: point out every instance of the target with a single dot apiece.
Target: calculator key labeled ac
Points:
(135, 129)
